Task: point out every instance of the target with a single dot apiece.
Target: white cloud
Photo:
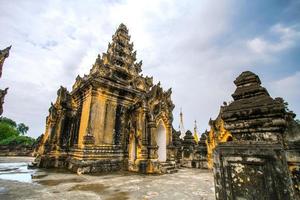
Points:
(287, 37)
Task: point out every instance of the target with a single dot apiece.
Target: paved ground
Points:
(187, 184)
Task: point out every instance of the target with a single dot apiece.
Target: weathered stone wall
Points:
(15, 150)
(251, 171)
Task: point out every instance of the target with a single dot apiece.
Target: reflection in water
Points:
(16, 171)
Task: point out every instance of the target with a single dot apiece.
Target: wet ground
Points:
(17, 182)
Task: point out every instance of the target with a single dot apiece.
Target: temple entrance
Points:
(161, 142)
(132, 150)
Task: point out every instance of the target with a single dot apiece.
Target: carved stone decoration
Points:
(89, 139)
(108, 121)
(256, 164)
(3, 55)
(2, 95)
(216, 135)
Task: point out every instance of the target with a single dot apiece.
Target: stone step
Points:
(168, 168)
(172, 171)
(166, 164)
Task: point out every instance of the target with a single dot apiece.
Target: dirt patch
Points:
(59, 181)
(93, 187)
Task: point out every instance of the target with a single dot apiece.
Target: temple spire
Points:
(181, 126)
(196, 133)
(120, 51)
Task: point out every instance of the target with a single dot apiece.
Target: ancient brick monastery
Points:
(116, 119)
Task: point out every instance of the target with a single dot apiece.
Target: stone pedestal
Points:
(95, 159)
(251, 171)
(254, 164)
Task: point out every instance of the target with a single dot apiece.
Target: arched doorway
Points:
(132, 149)
(161, 142)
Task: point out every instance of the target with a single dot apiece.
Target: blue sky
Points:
(196, 47)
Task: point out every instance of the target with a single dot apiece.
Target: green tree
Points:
(12, 133)
(22, 128)
(6, 131)
(17, 140)
(8, 121)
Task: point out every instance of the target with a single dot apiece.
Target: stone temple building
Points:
(262, 160)
(113, 119)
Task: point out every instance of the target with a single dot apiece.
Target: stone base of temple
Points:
(139, 165)
(151, 166)
(96, 159)
(94, 166)
(101, 158)
(52, 160)
(89, 159)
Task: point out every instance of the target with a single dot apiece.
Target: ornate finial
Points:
(123, 27)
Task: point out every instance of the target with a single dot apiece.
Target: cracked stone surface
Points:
(187, 184)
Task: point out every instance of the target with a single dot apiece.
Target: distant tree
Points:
(8, 121)
(6, 131)
(17, 140)
(22, 128)
(12, 133)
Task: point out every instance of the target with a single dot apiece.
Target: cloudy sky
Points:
(196, 47)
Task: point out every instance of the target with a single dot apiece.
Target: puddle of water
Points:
(58, 181)
(99, 188)
(16, 172)
(2, 190)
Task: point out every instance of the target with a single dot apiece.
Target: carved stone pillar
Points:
(89, 138)
(153, 138)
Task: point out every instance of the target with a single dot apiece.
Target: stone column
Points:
(89, 138)
(153, 138)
